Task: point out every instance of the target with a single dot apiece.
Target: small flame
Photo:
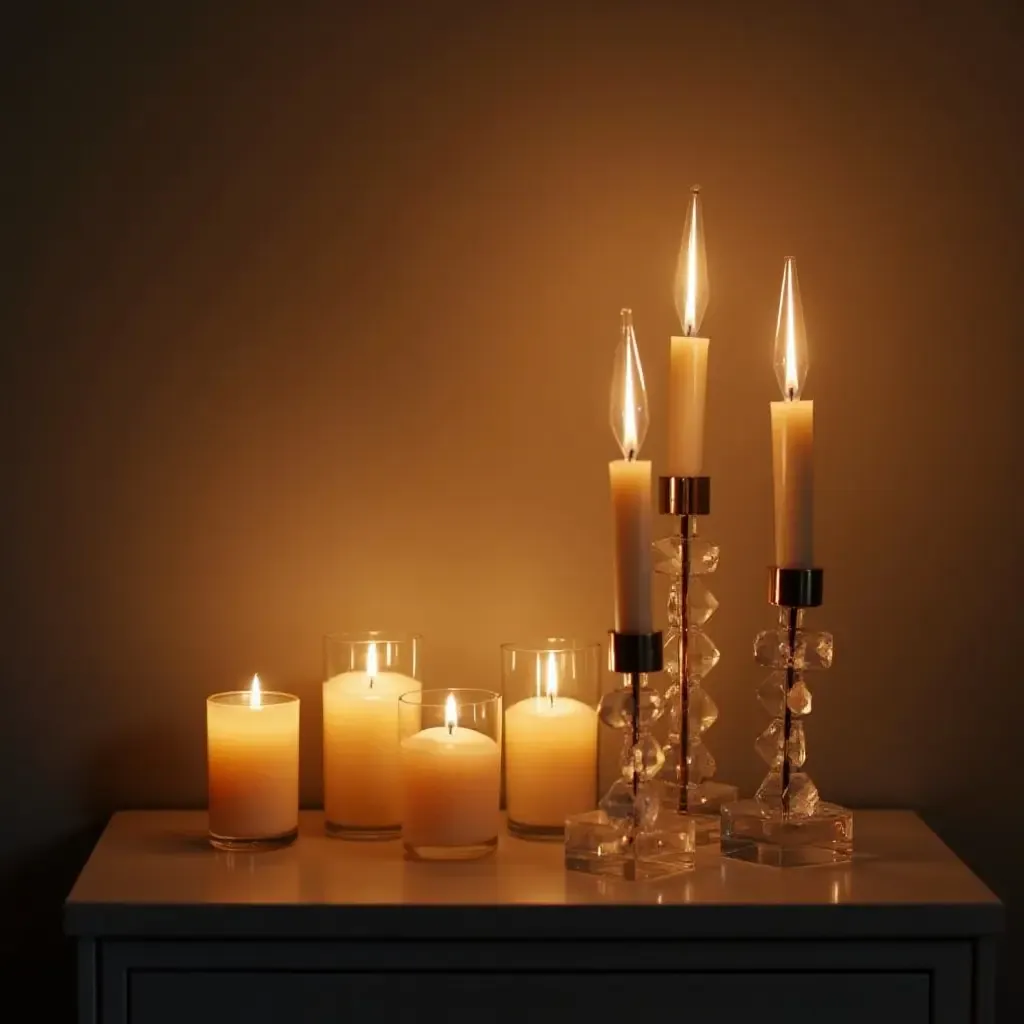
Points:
(790, 356)
(629, 414)
(371, 662)
(552, 677)
(691, 282)
(451, 712)
(255, 696)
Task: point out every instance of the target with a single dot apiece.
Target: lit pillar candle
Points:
(362, 779)
(792, 434)
(550, 755)
(253, 764)
(631, 488)
(451, 784)
(688, 356)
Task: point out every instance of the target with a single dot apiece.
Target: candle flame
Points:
(451, 712)
(691, 283)
(255, 696)
(552, 677)
(791, 361)
(371, 662)
(628, 409)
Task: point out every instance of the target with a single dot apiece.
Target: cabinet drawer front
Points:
(319, 997)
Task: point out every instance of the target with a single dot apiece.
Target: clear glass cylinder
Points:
(252, 743)
(550, 691)
(364, 675)
(450, 756)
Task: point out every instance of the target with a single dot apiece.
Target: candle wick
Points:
(551, 697)
(451, 726)
(632, 455)
(791, 393)
(371, 682)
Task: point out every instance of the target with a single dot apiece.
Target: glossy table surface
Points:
(153, 873)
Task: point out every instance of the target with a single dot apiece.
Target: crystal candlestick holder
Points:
(687, 782)
(787, 824)
(632, 835)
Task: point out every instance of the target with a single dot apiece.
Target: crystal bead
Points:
(617, 803)
(646, 758)
(617, 707)
(701, 763)
(703, 604)
(703, 556)
(803, 795)
(646, 805)
(701, 653)
(797, 744)
(800, 699)
(769, 744)
(770, 693)
(702, 712)
(812, 649)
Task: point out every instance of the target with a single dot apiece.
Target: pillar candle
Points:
(688, 374)
(631, 509)
(253, 763)
(451, 784)
(550, 760)
(793, 473)
(362, 777)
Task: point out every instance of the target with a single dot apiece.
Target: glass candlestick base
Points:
(754, 832)
(598, 844)
(704, 804)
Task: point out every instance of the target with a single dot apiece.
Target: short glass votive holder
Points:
(550, 692)
(450, 757)
(252, 742)
(364, 675)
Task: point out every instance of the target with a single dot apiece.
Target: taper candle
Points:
(688, 355)
(792, 434)
(630, 488)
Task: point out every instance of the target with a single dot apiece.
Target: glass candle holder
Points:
(364, 675)
(253, 768)
(450, 758)
(550, 691)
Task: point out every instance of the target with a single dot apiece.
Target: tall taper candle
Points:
(688, 355)
(631, 488)
(792, 434)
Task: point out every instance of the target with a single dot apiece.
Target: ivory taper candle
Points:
(688, 354)
(631, 488)
(792, 434)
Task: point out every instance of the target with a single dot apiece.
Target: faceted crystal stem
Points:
(635, 682)
(684, 668)
(792, 617)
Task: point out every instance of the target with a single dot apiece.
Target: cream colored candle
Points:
(362, 777)
(451, 785)
(631, 510)
(688, 375)
(688, 355)
(253, 762)
(793, 473)
(792, 434)
(631, 488)
(550, 757)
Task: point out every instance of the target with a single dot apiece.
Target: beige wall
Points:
(308, 325)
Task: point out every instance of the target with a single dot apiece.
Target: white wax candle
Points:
(362, 778)
(253, 762)
(451, 786)
(631, 508)
(793, 473)
(550, 760)
(688, 375)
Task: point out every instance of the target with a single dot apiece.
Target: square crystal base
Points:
(704, 803)
(597, 844)
(753, 832)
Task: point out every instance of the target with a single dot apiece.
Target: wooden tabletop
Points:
(153, 875)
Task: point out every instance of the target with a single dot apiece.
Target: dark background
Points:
(307, 322)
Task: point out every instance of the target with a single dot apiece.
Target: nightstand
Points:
(171, 931)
